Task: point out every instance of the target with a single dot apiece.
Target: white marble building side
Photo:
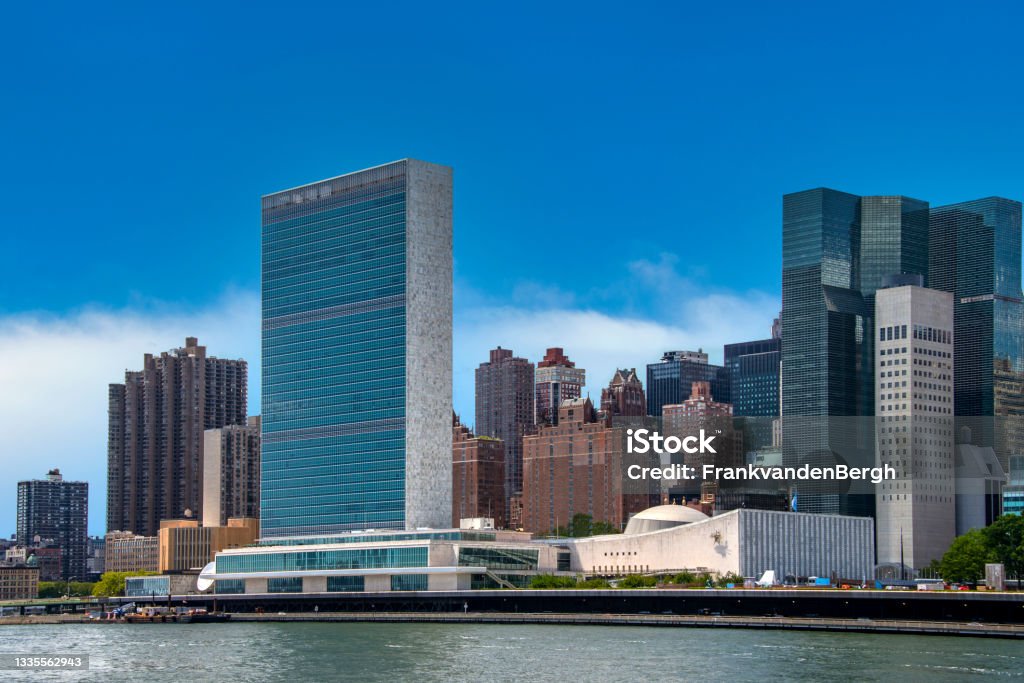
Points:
(428, 433)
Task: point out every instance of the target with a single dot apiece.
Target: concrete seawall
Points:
(906, 627)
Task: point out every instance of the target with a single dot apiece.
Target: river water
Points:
(444, 652)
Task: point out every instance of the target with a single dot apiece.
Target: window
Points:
(409, 582)
(345, 584)
(289, 585)
(229, 586)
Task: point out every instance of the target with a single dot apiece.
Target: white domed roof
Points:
(663, 517)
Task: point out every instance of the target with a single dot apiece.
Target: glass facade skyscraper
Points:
(976, 255)
(754, 377)
(357, 355)
(754, 386)
(836, 250)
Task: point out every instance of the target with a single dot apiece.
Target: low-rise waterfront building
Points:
(375, 561)
(157, 587)
(184, 545)
(128, 552)
(676, 538)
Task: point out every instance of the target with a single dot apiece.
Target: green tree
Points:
(965, 560)
(595, 583)
(112, 583)
(685, 579)
(549, 581)
(51, 589)
(1005, 539)
(638, 581)
(58, 589)
(603, 529)
(581, 525)
(725, 579)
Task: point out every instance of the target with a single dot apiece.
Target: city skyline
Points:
(194, 144)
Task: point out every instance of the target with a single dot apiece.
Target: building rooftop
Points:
(663, 517)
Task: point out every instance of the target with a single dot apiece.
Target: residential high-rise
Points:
(505, 409)
(976, 255)
(624, 395)
(915, 516)
(357, 352)
(155, 435)
(478, 476)
(701, 411)
(670, 381)
(577, 466)
(57, 510)
(836, 249)
(557, 379)
(231, 473)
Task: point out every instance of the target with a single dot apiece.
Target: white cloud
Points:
(54, 372)
(600, 342)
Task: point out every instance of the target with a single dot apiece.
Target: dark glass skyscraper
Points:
(670, 381)
(754, 384)
(754, 377)
(357, 355)
(837, 248)
(976, 255)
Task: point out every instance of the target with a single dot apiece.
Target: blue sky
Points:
(618, 168)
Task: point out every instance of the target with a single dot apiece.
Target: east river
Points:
(443, 652)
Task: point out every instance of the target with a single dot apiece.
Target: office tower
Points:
(1013, 492)
(231, 473)
(505, 409)
(754, 376)
(670, 381)
(976, 255)
(577, 466)
(558, 379)
(155, 435)
(478, 476)
(357, 352)
(55, 510)
(624, 395)
(836, 248)
(915, 516)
